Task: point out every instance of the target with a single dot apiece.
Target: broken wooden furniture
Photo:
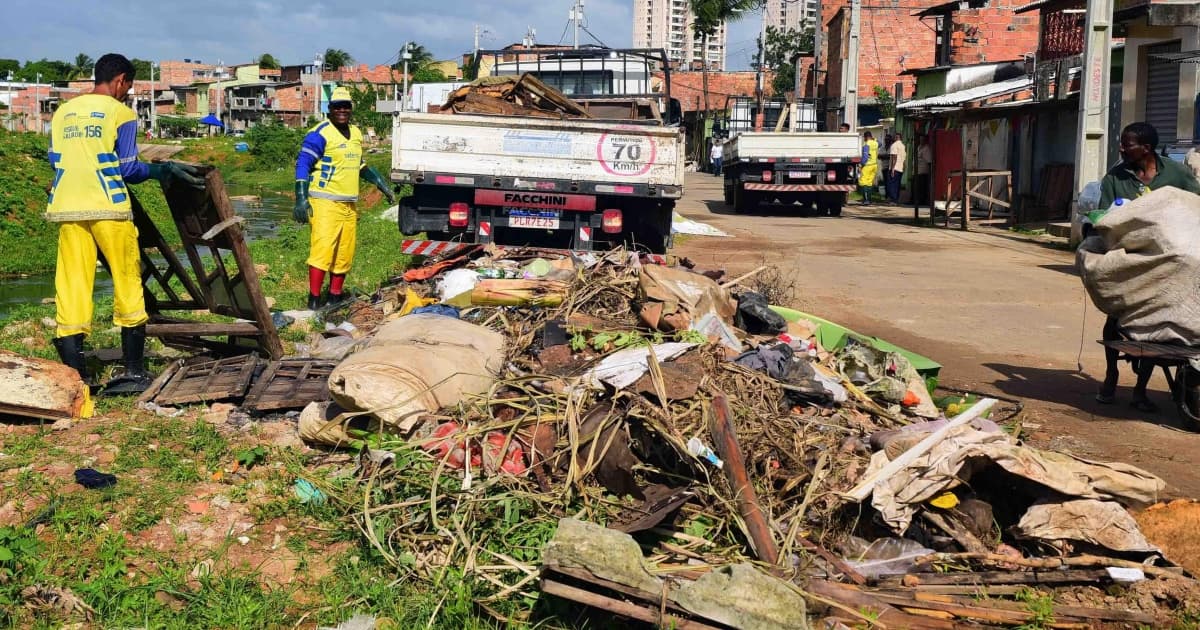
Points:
(258, 386)
(219, 276)
(972, 182)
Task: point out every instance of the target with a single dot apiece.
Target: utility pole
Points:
(850, 76)
(8, 124)
(1090, 150)
(405, 55)
(37, 103)
(575, 16)
(816, 65)
(318, 67)
(220, 97)
(759, 79)
(153, 103)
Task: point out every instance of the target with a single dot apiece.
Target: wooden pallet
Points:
(290, 384)
(207, 381)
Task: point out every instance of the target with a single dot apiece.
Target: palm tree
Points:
(336, 59)
(707, 18)
(420, 57)
(82, 68)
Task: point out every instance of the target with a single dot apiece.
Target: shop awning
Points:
(1187, 56)
(955, 99)
(211, 120)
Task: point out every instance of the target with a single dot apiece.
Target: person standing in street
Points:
(93, 151)
(922, 184)
(328, 168)
(870, 167)
(899, 154)
(716, 156)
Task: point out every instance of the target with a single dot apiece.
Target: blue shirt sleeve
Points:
(311, 150)
(133, 171)
(866, 154)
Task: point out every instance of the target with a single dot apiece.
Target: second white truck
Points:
(787, 162)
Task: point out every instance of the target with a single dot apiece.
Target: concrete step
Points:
(1061, 229)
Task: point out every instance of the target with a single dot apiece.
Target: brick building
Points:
(921, 34)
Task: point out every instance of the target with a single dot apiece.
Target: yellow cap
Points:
(340, 94)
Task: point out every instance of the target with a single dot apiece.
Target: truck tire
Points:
(728, 190)
(831, 204)
(744, 201)
(653, 234)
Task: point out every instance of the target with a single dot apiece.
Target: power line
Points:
(585, 30)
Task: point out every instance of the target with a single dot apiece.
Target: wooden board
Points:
(209, 381)
(290, 384)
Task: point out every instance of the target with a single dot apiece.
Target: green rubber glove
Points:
(169, 172)
(373, 176)
(302, 210)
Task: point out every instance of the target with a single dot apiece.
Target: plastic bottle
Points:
(696, 448)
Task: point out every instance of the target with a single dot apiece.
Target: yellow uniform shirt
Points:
(83, 152)
(338, 160)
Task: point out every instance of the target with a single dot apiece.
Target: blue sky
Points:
(236, 31)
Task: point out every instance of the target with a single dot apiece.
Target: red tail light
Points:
(460, 214)
(767, 176)
(831, 176)
(612, 221)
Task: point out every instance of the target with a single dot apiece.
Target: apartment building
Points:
(791, 14)
(667, 24)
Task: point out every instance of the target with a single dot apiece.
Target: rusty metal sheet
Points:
(209, 381)
(290, 384)
(37, 388)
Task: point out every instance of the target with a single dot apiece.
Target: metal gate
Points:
(1162, 92)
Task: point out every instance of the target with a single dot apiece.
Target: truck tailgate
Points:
(504, 146)
(812, 145)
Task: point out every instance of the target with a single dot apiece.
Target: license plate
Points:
(534, 219)
(800, 174)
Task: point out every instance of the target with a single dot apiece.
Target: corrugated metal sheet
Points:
(1162, 92)
(954, 99)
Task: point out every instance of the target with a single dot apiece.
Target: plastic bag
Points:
(885, 556)
(755, 316)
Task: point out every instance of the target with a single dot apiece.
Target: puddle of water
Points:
(263, 217)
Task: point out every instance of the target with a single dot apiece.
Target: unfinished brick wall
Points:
(688, 87)
(992, 34)
(893, 40)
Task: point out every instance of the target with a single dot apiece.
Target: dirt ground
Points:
(1002, 312)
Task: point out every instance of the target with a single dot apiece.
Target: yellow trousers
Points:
(334, 229)
(867, 175)
(75, 274)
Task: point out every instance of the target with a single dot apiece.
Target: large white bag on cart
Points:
(1147, 272)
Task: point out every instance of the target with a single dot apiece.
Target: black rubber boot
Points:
(136, 379)
(314, 302)
(70, 352)
(334, 299)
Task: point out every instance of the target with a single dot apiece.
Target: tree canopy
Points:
(268, 61)
(336, 59)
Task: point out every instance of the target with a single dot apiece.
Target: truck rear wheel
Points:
(831, 204)
(743, 200)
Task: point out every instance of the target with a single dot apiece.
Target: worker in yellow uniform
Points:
(93, 151)
(327, 173)
(870, 167)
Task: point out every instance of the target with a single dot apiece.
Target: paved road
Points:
(1002, 313)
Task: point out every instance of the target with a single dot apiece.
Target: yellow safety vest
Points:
(336, 175)
(87, 174)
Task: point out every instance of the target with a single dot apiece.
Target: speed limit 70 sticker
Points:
(626, 154)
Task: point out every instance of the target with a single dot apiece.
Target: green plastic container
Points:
(832, 336)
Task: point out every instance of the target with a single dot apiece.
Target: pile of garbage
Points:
(525, 95)
(650, 441)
